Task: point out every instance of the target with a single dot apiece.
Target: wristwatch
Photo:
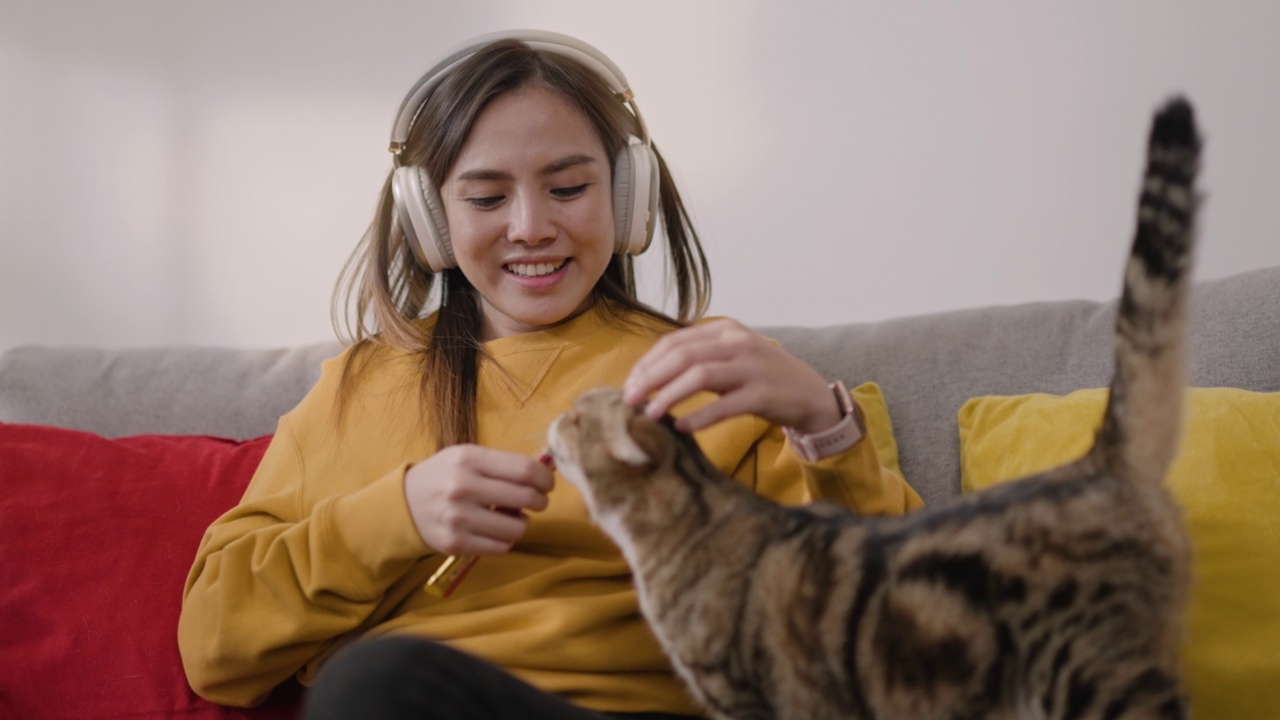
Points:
(840, 437)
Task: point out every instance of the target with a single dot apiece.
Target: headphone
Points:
(635, 168)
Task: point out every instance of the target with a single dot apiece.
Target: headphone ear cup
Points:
(635, 197)
(421, 214)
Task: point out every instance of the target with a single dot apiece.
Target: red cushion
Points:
(96, 538)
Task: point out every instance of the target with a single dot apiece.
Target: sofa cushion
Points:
(1227, 479)
(96, 538)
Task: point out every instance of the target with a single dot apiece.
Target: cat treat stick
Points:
(454, 569)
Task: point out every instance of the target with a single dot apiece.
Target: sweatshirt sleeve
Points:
(278, 579)
(856, 479)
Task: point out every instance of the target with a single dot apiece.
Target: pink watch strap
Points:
(840, 437)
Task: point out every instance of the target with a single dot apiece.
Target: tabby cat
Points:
(1056, 596)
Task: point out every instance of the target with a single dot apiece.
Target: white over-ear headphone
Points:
(635, 172)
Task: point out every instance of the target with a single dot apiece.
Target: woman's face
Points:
(529, 203)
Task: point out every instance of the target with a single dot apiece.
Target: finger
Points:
(662, 368)
(727, 406)
(506, 466)
(718, 377)
(499, 526)
(694, 334)
(478, 531)
(478, 545)
(677, 352)
(488, 492)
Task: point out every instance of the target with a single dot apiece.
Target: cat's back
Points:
(1025, 588)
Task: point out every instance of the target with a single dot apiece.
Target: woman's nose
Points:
(530, 222)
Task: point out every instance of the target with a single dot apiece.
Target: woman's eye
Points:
(485, 202)
(568, 192)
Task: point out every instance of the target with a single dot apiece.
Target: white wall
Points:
(197, 172)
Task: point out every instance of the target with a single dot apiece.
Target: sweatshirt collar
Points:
(575, 330)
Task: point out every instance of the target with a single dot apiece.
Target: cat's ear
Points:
(652, 437)
(626, 451)
(638, 441)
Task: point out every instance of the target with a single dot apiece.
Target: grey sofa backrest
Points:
(927, 366)
(172, 390)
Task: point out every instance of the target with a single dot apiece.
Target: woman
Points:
(524, 181)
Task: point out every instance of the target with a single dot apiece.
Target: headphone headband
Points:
(544, 40)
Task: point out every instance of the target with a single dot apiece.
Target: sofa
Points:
(114, 460)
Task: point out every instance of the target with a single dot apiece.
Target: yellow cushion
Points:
(1226, 477)
(875, 411)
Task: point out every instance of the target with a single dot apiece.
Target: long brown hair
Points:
(391, 293)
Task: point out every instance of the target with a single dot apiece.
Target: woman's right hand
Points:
(470, 500)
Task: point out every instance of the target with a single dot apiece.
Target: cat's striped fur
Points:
(1057, 596)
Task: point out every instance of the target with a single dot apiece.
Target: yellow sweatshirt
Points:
(322, 548)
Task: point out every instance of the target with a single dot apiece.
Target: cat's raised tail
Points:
(1140, 429)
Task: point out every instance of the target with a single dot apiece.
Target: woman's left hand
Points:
(750, 374)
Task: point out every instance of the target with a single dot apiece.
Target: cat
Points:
(1056, 596)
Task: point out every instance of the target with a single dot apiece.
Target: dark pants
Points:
(406, 677)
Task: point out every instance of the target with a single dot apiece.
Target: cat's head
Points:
(605, 447)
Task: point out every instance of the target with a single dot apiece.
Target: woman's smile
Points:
(537, 270)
